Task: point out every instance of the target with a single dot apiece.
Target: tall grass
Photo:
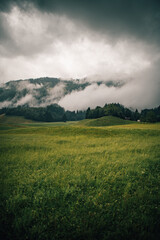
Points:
(80, 183)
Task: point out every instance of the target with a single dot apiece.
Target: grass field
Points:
(77, 182)
(10, 122)
(104, 121)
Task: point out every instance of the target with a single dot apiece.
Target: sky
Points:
(116, 40)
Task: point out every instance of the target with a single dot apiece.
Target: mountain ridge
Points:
(40, 92)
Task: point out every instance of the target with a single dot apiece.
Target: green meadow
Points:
(89, 180)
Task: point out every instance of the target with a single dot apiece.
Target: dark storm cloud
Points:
(139, 18)
(100, 39)
(27, 33)
(8, 45)
(112, 19)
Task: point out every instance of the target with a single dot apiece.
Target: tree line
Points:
(55, 113)
(118, 110)
(51, 113)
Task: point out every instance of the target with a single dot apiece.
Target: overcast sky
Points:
(98, 39)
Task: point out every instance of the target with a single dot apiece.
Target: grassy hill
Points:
(7, 122)
(14, 120)
(104, 121)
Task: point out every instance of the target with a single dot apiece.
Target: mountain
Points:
(42, 92)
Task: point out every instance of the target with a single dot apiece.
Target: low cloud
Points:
(54, 95)
(33, 97)
(29, 86)
(24, 100)
(137, 93)
(5, 104)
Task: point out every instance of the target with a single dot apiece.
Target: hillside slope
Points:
(14, 120)
(105, 121)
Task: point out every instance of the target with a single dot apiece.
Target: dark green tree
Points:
(64, 118)
(151, 117)
(88, 113)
